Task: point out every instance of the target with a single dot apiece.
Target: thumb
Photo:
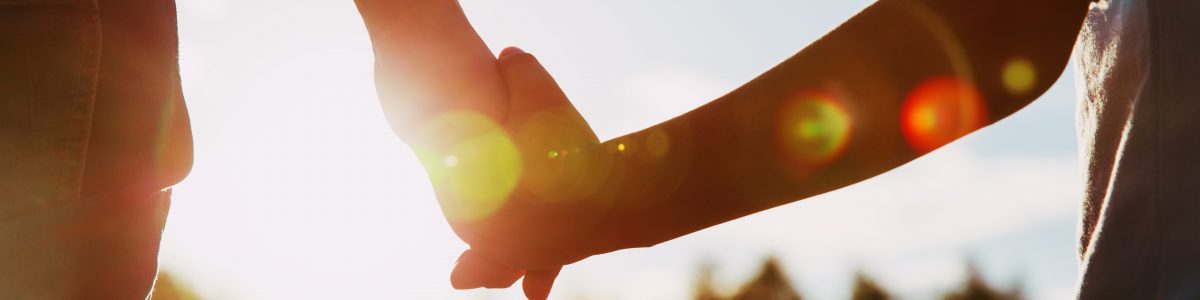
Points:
(537, 283)
(531, 89)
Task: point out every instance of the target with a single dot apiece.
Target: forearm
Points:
(834, 114)
(430, 61)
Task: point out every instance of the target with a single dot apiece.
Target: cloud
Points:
(655, 95)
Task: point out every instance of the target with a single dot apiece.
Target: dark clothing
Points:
(90, 101)
(91, 118)
(1139, 131)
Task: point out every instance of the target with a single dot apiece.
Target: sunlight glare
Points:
(477, 173)
(553, 169)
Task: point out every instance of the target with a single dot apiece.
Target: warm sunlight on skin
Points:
(162, 159)
(448, 77)
(657, 144)
(813, 129)
(940, 110)
(555, 165)
(1019, 76)
(478, 172)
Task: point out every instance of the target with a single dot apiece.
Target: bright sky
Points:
(301, 191)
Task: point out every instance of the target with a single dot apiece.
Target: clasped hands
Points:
(523, 192)
(518, 172)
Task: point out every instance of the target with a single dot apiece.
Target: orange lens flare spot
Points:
(621, 147)
(939, 111)
(1019, 76)
(813, 129)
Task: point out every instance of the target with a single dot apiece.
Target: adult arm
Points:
(429, 61)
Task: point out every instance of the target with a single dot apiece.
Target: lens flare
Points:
(553, 172)
(940, 110)
(813, 129)
(1019, 76)
(475, 174)
(657, 144)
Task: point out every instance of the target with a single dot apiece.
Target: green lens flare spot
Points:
(1019, 76)
(816, 129)
(478, 171)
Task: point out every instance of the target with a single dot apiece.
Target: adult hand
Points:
(516, 169)
(523, 192)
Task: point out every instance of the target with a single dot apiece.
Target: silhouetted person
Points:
(92, 131)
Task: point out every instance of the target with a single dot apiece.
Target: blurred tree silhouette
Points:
(865, 288)
(772, 284)
(976, 289)
(704, 284)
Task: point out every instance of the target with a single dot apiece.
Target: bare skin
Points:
(859, 98)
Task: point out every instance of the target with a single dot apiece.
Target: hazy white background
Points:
(300, 190)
